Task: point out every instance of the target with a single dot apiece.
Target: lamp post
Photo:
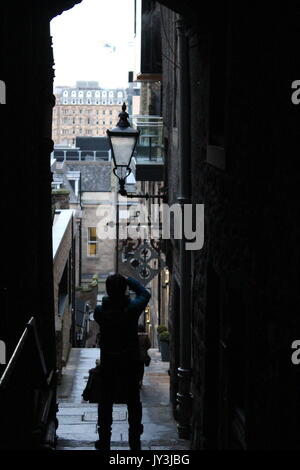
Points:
(122, 140)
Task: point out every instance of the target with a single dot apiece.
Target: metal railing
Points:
(81, 155)
(28, 396)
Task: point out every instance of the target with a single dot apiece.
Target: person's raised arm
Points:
(142, 295)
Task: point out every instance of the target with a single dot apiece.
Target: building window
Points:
(73, 93)
(88, 93)
(92, 241)
(111, 93)
(97, 93)
(103, 102)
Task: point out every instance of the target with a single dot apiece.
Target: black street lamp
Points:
(122, 140)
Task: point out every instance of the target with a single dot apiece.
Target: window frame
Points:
(92, 242)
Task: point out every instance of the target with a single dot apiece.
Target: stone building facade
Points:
(84, 110)
(89, 187)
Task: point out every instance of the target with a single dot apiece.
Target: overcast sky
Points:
(92, 42)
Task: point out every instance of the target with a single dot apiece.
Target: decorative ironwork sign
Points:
(142, 259)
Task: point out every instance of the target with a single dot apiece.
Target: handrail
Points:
(12, 362)
(30, 326)
(39, 395)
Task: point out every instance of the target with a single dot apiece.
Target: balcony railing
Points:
(81, 155)
(150, 145)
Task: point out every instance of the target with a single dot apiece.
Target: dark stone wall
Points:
(26, 268)
(26, 67)
(245, 288)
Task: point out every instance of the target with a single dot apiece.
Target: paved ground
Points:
(78, 419)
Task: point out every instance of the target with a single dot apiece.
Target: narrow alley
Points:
(156, 140)
(78, 419)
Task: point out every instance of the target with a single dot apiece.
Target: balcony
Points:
(149, 151)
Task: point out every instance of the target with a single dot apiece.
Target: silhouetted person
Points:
(144, 344)
(118, 321)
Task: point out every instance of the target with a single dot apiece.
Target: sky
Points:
(94, 41)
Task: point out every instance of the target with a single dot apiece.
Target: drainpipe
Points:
(117, 231)
(184, 400)
(80, 232)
